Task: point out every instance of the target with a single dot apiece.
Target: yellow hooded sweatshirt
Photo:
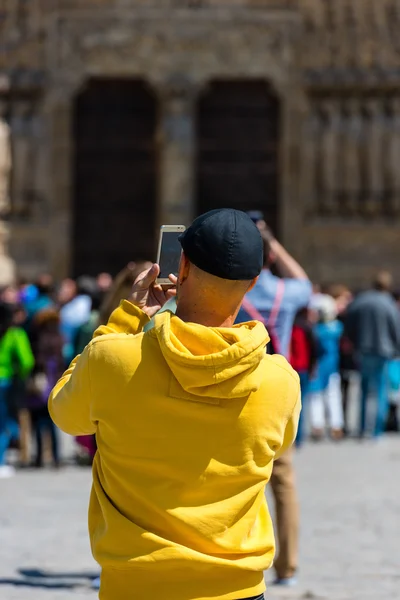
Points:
(188, 420)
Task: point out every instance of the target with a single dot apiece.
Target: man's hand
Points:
(149, 296)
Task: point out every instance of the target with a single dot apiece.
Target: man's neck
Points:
(208, 319)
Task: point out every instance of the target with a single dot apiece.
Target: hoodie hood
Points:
(213, 362)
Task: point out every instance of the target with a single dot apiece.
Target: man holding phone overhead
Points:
(275, 301)
(189, 418)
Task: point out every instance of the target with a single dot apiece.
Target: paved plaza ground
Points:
(350, 544)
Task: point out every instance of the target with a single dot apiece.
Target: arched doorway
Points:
(115, 175)
(237, 148)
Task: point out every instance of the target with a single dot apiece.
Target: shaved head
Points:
(226, 287)
(213, 300)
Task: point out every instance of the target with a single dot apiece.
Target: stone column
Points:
(177, 153)
(393, 156)
(58, 114)
(5, 161)
(40, 171)
(311, 132)
(374, 156)
(292, 198)
(22, 155)
(352, 154)
(7, 265)
(330, 149)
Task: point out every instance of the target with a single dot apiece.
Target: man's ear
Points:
(184, 269)
(252, 283)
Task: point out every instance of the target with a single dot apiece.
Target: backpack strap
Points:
(270, 323)
(252, 311)
(277, 303)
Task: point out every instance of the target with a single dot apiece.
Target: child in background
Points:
(325, 396)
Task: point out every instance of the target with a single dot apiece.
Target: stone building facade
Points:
(125, 114)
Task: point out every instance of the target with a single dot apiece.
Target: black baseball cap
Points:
(226, 243)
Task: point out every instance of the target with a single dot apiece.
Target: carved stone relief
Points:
(353, 153)
(330, 155)
(392, 155)
(375, 131)
(310, 150)
(23, 152)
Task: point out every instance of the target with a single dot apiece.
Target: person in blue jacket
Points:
(325, 396)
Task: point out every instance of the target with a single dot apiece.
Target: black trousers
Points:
(41, 422)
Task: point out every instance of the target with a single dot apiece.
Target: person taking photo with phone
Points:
(275, 302)
(189, 418)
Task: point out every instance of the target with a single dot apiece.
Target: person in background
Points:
(86, 444)
(121, 287)
(75, 300)
(38, 297)
(9, 295)
(394, 384)
(348, 366)
(394, 394)
(373, 326)
(16, 362)
(104, 283)
(19, 395)
(49, 365)
(396, 298)
(324, 388)
(275, 301)
(303, 358)
(85, 332)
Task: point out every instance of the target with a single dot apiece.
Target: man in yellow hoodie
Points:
(189, 418)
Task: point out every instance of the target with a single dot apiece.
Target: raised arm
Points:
(292, 422)
(145, 301)
(286, 264)
(70, 402)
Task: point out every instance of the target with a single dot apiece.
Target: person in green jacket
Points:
(16, 361)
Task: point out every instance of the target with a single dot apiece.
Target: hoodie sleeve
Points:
(291, 426)
(70, 400)
(127, 318)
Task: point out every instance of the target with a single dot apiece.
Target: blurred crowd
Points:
(348, 344)
(44, 325)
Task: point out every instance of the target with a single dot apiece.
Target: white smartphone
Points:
(169, 252)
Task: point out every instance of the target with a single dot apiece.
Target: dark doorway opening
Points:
(238, 148)
(115, 175)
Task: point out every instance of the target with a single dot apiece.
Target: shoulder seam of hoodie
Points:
(285, 367)
(118, 336)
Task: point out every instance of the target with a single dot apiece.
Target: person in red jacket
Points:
(303, 357)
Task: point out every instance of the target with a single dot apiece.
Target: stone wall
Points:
(335, 66)
(351, 153)
(350, 253)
